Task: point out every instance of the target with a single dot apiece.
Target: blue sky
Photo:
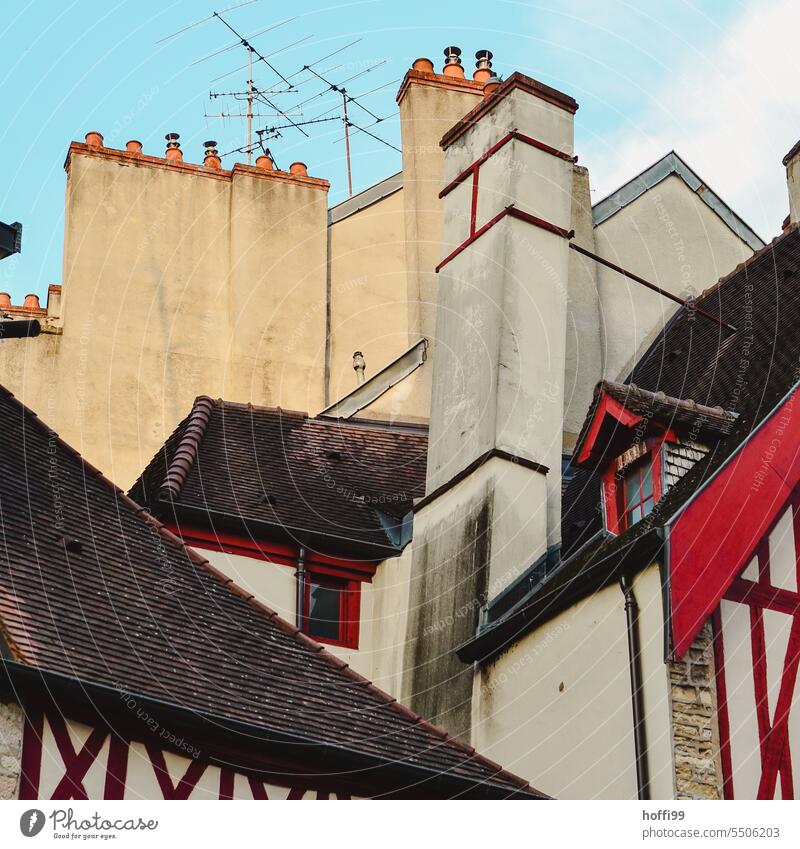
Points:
(713, 80)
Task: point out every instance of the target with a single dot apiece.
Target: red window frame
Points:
(349, 607)
(614, 501)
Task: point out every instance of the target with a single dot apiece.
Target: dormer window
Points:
(640, 443)
(637, 492)
(633, 484)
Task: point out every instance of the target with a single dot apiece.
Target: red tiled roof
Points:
(343, 486)
(94, 588)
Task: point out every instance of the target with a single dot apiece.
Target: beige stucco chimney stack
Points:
(792, 163)
(493, 492)
(430, 103)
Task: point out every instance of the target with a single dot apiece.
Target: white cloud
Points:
(731, 113)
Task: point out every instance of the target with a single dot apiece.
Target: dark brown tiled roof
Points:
(342, 486)
(94, 588)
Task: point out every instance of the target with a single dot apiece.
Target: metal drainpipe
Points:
(637, 694)
(300, 575)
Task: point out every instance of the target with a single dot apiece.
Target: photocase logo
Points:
(31, 822)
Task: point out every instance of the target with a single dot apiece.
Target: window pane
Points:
(647, 481)
(324, 615)
(632, 496)
(647, 507)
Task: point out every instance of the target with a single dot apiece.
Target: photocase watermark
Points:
(65, 825)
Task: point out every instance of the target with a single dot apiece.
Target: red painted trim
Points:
(513, 135)
(763, 564)
(723, 720)
(226, 781)
(76, 764)
(769, 598)
(472, 238)
(187, 782)
(540, 223)
(257, 788)
(31, 759)
(349, 612)
(473, 215)
(758, 653)
(714, 538)
(607, 406)
(512, 212)
(117, 769)
(273, 552)
(777, 741)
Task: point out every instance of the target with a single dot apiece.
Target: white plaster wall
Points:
(384, 609)
(655, 682)
(556, 708)
(384, 614)
(670, 237)
(273, 584)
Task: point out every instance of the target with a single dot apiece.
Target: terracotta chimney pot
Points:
(483, 66)
(133, 146)
(94, 139)
(452, 64)
(265, 163)
(298, 169)
(5, 300)
(31, 302)
(211, 161)
(173, 152)
(492, 84)
(423, 64)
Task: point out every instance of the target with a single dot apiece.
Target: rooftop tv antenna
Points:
(251, 92)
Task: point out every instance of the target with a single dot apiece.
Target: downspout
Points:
(300, 576)
(637, 693)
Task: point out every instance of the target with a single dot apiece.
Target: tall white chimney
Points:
(494, 459)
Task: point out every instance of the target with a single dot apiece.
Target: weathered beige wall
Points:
(556, 707)
(369, 307)
(583, 356)
(11, 722)
(177, 282)
(670, 237)
(429, 106)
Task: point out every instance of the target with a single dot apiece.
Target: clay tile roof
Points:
(337, 485)
(92, 587)
(677, 414)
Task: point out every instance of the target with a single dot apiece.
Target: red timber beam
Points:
(711, 540)
(473, 171)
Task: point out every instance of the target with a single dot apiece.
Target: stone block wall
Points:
(11, 720)
(695, 736)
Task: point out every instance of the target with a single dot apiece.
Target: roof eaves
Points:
(668, 165)
(365, 198)
(380, 383)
